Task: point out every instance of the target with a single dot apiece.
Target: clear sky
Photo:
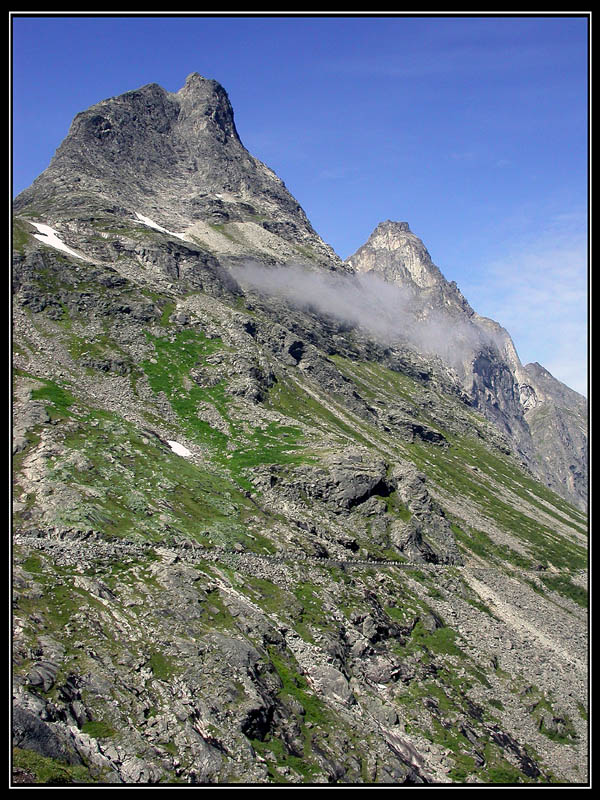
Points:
(473, 129)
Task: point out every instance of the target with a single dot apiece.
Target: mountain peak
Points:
(205, 107)
(194, 78)
(176, 158)
(195, 82)
(202, 90)
(388, 224)
(148, 140)
(400, 257)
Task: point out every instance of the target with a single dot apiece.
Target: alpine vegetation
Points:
(278, 518)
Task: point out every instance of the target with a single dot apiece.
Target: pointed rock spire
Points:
(205, 104)
(397, 255)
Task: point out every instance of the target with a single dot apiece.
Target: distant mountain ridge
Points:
(517, 397)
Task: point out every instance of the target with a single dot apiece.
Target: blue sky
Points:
(474, 130)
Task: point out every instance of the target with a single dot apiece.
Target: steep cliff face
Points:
(175, 159)
(553, 441)
(255, 542)
(557, 417)
(394, 252)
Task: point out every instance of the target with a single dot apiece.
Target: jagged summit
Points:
(177, 159)
(389, 224)
(400, 257)
(201, 88)
(204, 104)
(151, 142)
(196, 83)
(545, 420)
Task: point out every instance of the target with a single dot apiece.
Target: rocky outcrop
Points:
(394, 252)
(558, 419)
(254, 543)
(177, 160)
(427, 534)
(552, 442)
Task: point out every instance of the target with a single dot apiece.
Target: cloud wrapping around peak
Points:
(393, 314)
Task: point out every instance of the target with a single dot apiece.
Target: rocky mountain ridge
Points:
(482, 353)
(175, 159)
(254, 542)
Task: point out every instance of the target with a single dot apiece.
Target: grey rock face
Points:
(552, 442)
(394, 252)
(427, 534)
(177, 159)
(31, 733)
(558, 419)
(253, 543)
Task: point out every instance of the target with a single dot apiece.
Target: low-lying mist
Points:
(392, 314)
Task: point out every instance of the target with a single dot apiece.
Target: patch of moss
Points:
(313, 615)
(506, 774)
(168, 372)
(291, 400)
(98, 729)
(441, 641)
(296, 686)
(271, 597)
(59, 400)
(135, 485)
(50, 771)
(276, 444)
(33, 564)
(564, 586)
(21, 233)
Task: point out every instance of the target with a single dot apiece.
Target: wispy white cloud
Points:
(389, 312)
(539, 292)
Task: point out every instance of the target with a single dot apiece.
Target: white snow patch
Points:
(49, 236)
(179, 449)
(151, 224)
